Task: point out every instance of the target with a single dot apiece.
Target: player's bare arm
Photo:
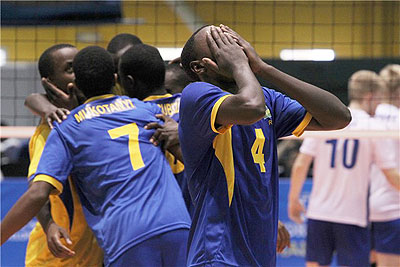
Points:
(40, 105)
(248, 105)
(27, 206)
(297, 179)
(54, 233)
(393, 177)
(328, 112)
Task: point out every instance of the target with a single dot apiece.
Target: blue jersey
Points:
(169, 105)
(126, 187)
(232, 173)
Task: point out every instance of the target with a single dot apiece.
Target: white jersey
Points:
(341, 173)
(384, 198)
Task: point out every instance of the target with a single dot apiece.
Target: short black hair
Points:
(46, 62)
(189, 54)
(122, 40)
(94, 71)
(181, 79)
(144, 62)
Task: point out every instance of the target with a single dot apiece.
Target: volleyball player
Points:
(228, 129)
(142, 73)
(48, 106)
(129, 195)
(338, 209)
(175, 78)
(62, 217)
(384, 200)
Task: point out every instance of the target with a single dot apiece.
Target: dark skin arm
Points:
(54, 233)
(55, 105)
(40, 105)
(166, 133)
(328, 112)
(247, 105)
(27, 206)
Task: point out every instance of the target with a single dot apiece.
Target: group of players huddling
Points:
(135, 176)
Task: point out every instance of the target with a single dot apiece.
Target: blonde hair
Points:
(391, 75)
(363, 82)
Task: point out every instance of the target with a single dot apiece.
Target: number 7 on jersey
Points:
(132, 131)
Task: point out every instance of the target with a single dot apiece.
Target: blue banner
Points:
(12, 253)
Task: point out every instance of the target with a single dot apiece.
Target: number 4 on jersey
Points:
(257, 149)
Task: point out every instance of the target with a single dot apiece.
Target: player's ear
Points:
(197, 66)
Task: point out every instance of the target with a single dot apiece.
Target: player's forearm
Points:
(393, 177)
(44, 216)
(22, 212)
(39, 105)
(247, 106)
(329, 112)
(177, 152)
(298, 175)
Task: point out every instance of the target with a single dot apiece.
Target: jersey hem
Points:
(335, 220)
(145, 236)
(211, 262)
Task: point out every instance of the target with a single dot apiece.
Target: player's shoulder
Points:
(196, 89)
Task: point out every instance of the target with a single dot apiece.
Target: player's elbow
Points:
(343, 119)
(39, 193)
(253, 111)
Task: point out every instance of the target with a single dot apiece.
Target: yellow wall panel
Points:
(354, 29)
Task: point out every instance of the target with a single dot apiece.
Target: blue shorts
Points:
(168, 249)
(386, 236)
(351, 243)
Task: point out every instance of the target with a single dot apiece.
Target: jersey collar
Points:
(155, 97)
(98, 97)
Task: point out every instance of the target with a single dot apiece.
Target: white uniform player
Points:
(338, 206)
(341, 171)
(384, 200)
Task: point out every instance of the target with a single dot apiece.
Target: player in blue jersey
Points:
(142, 72)
(228, 128)
(129, 195)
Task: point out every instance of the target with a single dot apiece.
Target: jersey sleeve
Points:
(309, 146)
(55, 163)
(200, 102)
(289, 116)
(36, 145)
(384, 153)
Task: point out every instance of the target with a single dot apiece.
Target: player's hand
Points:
(54, 235)
(255, 61)
(167, 132)
(295, 209)
(58, 97)
(229, 56)
(55, 114)
(283, 240)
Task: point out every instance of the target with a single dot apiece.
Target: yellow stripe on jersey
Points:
(302, 126)
(176, 165)
(156, 97)
(36, 145)
(48, 179)
(98, 97)
(222, 145)
(214, 112)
